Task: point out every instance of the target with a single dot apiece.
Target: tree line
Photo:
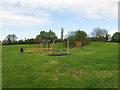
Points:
(97, 35)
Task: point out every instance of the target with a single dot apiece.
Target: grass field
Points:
(93, 67)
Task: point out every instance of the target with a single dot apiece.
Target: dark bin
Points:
(21, 50)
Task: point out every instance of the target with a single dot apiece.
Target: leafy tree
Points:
(77, 36)
(116, 37)
(0, 42)
(11, 38)
(62, 31)
(71, 37)
(42, 35)
(51, 36)
(80, 36)
(20, 42)
(100, 34)
(31, 41)
(9, 41)
(47, 35)
(5, 42)
(26, 41)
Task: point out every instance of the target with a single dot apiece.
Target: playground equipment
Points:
(78, 45)
(40, 46)
(39, 43)
(60, 49)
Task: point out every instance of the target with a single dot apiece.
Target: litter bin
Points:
(21, 50)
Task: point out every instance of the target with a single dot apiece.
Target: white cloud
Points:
(111, 32)
(9, 18)
(85, 8)
(22, 16)
(31, 12)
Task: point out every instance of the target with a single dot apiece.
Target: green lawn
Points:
(93, 67)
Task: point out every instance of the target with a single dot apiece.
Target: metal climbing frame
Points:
(68, 44)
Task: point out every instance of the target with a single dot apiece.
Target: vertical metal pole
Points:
(48, 44)
(44, 44)
(68, 47)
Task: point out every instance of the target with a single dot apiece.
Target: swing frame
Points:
(68, 44)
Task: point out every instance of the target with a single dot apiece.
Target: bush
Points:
(116, 37)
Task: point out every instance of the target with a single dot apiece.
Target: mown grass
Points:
(96, 66)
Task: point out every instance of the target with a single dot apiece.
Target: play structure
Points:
(58, 47)
(62, 46)
(39, 43)
(77, 44)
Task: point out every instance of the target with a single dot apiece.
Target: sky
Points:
(26, 18)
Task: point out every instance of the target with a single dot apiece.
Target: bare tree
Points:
(101, 34)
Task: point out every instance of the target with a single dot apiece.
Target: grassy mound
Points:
(93, 67)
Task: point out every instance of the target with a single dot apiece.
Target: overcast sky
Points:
(26, 18)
